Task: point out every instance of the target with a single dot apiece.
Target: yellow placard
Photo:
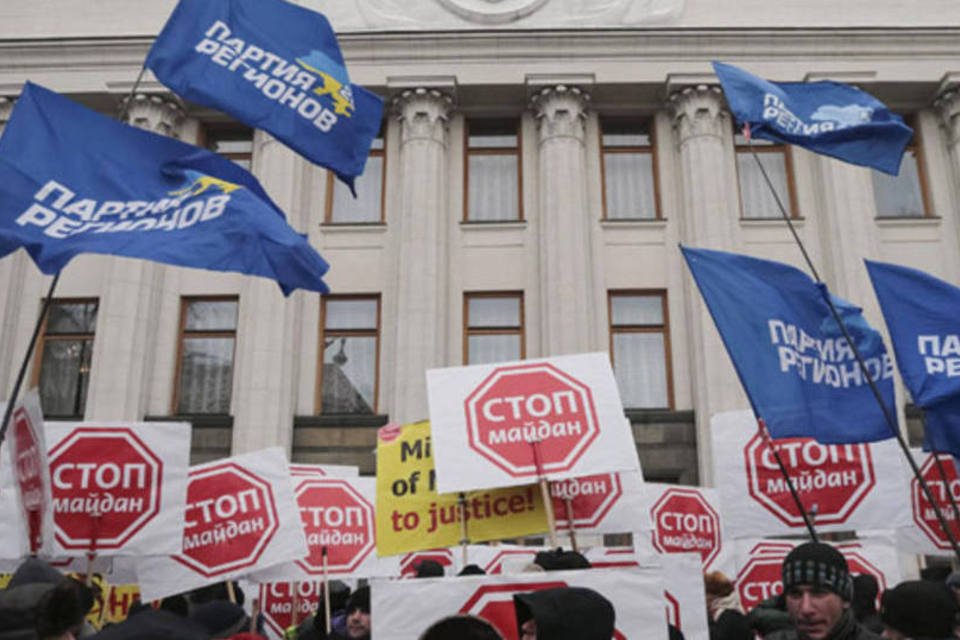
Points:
(412, 516)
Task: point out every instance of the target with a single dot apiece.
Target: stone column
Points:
(709, 220)
(566, 264)
(130, 304)
(12, 273)
(268, 324)
(421, 286)
(948, 105)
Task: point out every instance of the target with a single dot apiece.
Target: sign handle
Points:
(326, 592)
(92, 552)
(231, 593)
(254, 614)
(762, 426)
(295, 605)
(568, 507)
(464, 537)
(545, 492)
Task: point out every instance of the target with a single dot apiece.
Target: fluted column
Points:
(947, 105)
(709, 220)
(130, 303)
(268, 324)
(421, 285)
(565, 251)
(12, 271)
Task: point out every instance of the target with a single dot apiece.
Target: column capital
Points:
(159, 113)
(560, 111)
(698, 111)
(947, 105)
(423, 114)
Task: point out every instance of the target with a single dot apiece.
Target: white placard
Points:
(684, 592)
(118, 487)
(509, 424)
(241, 516)
(502, 558)
(847, 487)
(602, 503)
(26, 444)
(337, 513)
(925, 534)
(403, 610)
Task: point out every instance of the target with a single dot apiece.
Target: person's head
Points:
(429, 569)
(953, 581)
(461, 628)
(358, 614)
(220, 618)
(61, 610)
(917, 609)
(472, 570)
(817, 589)
(716, 586)
(560, 560)
(865, 591)
(564, 613)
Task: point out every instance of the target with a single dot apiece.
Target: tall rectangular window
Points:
(367, 207)
(756, 201)
(493, 176)
(493, 327)
(232, 142)
(349, 354)
(640, 348)
(65, 355)
(903, 195)
(628, 160)
(208, 335)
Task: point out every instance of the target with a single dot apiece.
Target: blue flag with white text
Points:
(923, 316)
(825, 117)
(274, 66)
(797, 368)
(73, 181)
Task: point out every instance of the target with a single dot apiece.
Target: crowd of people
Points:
(820, 600)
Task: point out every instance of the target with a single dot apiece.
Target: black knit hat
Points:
(818, 565)
(919, 609)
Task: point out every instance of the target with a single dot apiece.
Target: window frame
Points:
(650, 150)
(469, 331)
(183, 333)
(516, 150)
(43, 338)
(331, 178)
(916, 147)
(772, 148)
(663, 329)
(346, 333)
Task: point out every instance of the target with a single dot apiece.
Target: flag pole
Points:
(762, 426)
(571, 528)
(464, 537)
(888, 417)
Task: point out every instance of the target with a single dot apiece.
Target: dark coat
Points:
(567, 613)
(847, 629)
(153, 624)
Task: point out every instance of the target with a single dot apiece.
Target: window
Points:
(628, 161)
(232, 142)
(639, 347)
(208, 333)
(64, 355)
(756, 201)
(349, 347)
(367, 207)
(493, 330)
(492, 180)
(903, 195)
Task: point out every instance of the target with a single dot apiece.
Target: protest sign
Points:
(601, 503)
(28, 456)
(844, 487)
(324, 470)
(411, 515)
(404, 610)
(502, 558)
(684, 593)
(338, 518)
(118, 488)
(686, 519)
(278, 600)
(925, 534)
(241, 515)
(507, 424)
(446, 558)
(759, 564)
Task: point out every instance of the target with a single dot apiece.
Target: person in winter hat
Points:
(41, 603)
(566, 613)
(461, 628)
(560, 560)
(817, 590)
(864, 603)
(220, 618)
(919, 610)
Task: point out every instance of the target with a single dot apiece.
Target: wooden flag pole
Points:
(545, 492)
(326, 591)
(568, 504)
(92, 553)
(464, 538)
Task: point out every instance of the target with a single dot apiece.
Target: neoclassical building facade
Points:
(539, 163)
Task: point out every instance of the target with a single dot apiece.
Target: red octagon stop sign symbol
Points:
(590, 499)
(759, 579)
(410, 562)
(277, 601)
(231, 517)
(29, 468)
(684, 521)
(494, 603)
(334, 516)
(923, 513)
(833, 479)
(106, 485)
(517, 406)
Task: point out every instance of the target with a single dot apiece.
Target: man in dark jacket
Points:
(918, 609)
(817, 591)
(40, 602)
(567, 613)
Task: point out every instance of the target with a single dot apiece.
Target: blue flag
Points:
(825, 117)
(923, 317)
(275, 66)
(797, 368)
(73, 181)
